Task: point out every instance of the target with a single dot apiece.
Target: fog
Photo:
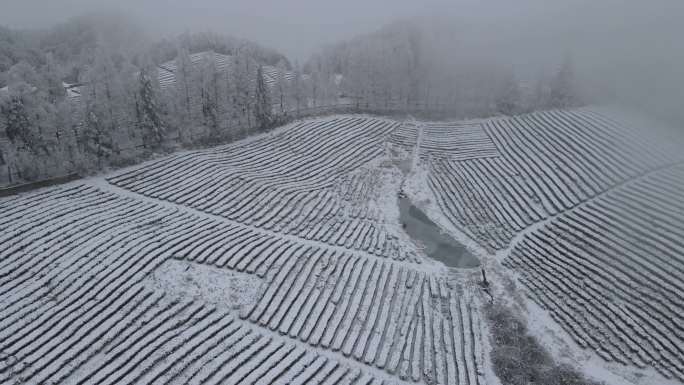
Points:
(295, 27)
(629, 51)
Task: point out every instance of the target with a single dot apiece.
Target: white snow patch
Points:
(220, 287)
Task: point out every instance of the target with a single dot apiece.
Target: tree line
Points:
(93, 93)
(410, 65)
(100, 102)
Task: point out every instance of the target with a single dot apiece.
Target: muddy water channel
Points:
(436, 244)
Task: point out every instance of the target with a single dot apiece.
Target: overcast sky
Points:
(635, 45)
(296, 27)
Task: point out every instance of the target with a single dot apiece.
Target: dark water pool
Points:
(436, 245)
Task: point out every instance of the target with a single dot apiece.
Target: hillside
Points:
(284, 257)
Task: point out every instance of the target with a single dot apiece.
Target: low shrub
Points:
(519, 359)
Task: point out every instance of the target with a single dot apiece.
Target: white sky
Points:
(635, 45)
(534, 28)
(296, 27)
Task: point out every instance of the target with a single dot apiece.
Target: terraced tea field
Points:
(281, 259)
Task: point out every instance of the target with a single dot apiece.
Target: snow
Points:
(219, 287)
(252, 261)
(562, 347)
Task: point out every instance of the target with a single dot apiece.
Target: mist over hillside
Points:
(623, 51)
(467, 59)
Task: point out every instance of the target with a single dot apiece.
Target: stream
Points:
(436, 244)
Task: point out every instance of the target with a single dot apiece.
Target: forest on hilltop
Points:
(96, 92)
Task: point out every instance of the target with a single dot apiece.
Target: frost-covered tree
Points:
(315, 86)
(147, 108)
(242, 77)
(115, 103)
(26, 109)
(110, 90)
(95, 139)
(562, 89)
(297, 90)
(281, 86)
(209, 94)
(263, 108)
(36, 124)
(320, 84)
(17, 125)
(229, 106)
(65, 127)
(183, 91)
(53, 83)
(109, 106)
(416, 66)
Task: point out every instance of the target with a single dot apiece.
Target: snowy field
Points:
(282, 259)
